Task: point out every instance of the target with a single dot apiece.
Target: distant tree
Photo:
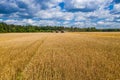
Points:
(29, 28)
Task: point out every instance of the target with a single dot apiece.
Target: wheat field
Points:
(57, 56)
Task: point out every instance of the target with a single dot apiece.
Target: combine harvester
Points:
(60, 31)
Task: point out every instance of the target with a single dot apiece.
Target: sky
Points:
(77, 13)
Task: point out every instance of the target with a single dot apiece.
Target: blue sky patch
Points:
(62, 4)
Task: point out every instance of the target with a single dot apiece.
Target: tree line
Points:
(5, 28)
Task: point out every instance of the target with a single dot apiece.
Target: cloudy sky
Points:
(79, 13)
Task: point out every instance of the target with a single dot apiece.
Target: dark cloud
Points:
(21, 4)
(8, 8)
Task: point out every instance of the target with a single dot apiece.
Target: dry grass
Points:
(68, 56)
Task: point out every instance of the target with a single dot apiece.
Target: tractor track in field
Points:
(37, 43)
(10, 51)
(19, 73)
(23, 51)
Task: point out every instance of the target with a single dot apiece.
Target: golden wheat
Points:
(56, 56)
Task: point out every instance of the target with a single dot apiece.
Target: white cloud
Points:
(86, 4)
(47, 12)
(117, 7)
(33, 22)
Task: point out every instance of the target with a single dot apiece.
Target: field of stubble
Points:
(56, 56)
